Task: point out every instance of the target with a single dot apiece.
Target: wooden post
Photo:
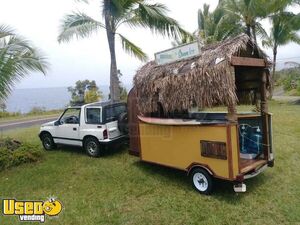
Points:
(232, 112)
(231, 116)
(264, 111)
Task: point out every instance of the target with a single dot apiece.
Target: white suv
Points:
(91, 126)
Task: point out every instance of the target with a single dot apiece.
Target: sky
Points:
(39, 21)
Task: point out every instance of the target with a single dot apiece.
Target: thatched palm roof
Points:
(203, 81)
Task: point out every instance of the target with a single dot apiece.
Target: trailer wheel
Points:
(202, 181)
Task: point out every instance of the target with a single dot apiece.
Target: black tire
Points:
(123, 123)
(92, 147)
(48, 142)
(202, 181)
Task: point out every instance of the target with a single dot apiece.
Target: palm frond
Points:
(78, 25)
(84, 1)
(118, 9)
(295, 21)
(232, 8)
(154, 17)
(294, 37)
(261, 31)
(268, 42)
(18, 57)
(217, 25)
(201, 19)
(5, 31)
(132, 49)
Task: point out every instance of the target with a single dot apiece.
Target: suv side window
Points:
(113, 112)
(93, 116)
(70, 116)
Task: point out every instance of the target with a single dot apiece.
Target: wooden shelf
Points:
(247, 165)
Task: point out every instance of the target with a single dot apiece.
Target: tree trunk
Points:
(114, 79)
(110, 32)
(272, 81)
(254, 34)
(248, 30)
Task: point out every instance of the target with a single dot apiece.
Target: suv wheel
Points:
(48, 142)
(92, 147)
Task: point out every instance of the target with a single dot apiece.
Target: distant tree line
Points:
(289, 79)
(86, 91)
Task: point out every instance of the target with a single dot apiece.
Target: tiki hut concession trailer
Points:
(166, 127)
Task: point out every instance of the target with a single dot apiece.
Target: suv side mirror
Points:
(56, 123)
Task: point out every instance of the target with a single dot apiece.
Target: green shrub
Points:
(4, 114)
(14, 153)
(290, 80)
(41, 111)
(36, 111)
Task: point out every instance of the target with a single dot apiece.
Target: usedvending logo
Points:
(34, 211)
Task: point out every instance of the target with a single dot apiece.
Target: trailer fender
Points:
(197, 165)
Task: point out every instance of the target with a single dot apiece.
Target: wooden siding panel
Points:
(133, 124)
(213, 149)
(245, 61)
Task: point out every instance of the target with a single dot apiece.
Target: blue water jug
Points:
(255, 141)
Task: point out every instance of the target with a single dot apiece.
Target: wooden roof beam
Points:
(245, 61)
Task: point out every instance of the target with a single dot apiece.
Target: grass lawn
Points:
(119, 189)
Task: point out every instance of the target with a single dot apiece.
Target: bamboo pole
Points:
(264, 115)
(232, 112)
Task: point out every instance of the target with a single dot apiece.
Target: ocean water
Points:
(23, 100)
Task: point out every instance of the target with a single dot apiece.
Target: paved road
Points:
(292, 99)
(24, 123)
(278, 95)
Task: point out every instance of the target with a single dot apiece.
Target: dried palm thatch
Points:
(204, 81)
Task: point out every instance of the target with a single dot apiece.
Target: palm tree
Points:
(212, 27)
(216, 26)
(133, 13)
(184, 39)
(249, 12)
(17, 59)
(284, 30)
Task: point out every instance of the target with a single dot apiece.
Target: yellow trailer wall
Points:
(179, 147)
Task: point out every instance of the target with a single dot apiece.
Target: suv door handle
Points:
(74, 128)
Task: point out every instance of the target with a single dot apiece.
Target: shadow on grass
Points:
(70, 149)
(297, 102)
(107, 151)
(222, 191)
(164, 174)
(114, 150)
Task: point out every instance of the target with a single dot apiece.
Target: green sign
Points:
(177, 53)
